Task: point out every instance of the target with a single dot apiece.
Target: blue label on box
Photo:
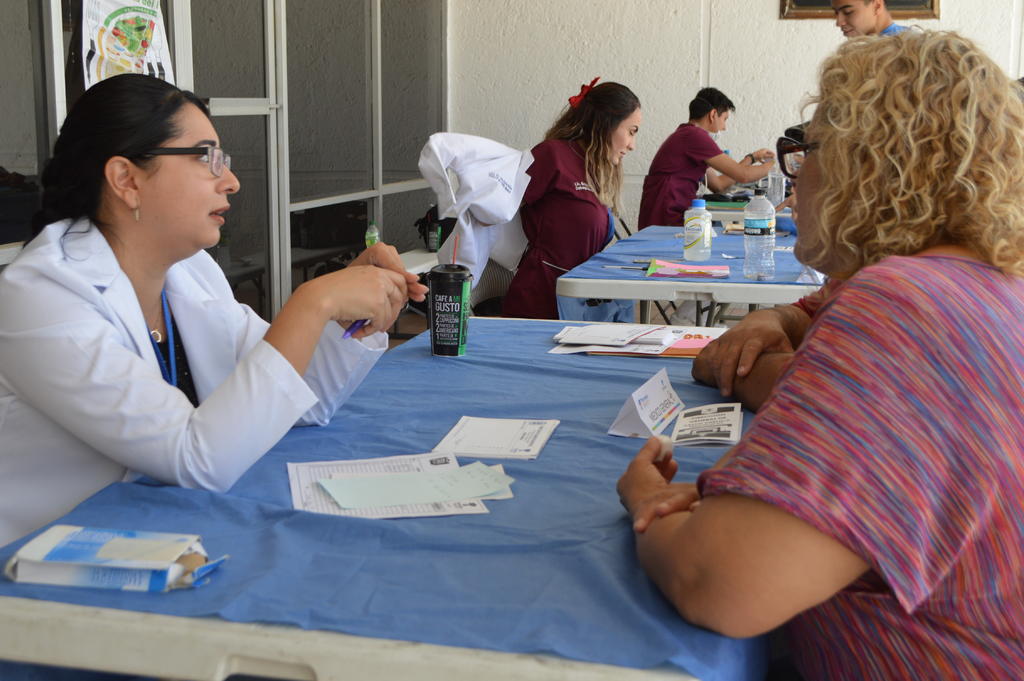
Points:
(83, 545)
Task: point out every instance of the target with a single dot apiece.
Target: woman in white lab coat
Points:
(122, 349)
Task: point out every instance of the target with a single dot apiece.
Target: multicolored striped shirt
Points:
(812, 302)
(898, 429)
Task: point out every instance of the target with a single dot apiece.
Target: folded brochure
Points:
(128, 560)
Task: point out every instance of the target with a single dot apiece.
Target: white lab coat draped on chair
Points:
(489, 182)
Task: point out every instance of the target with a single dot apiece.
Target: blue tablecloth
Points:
(551, 570)
(660, 242)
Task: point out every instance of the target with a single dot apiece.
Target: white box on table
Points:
(128, 560)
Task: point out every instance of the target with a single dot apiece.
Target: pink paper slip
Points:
(675, 270)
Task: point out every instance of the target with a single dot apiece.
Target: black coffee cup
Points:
(448, 304)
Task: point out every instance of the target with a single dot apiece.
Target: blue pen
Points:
(356, 325)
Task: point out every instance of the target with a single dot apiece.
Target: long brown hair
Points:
(591, 123)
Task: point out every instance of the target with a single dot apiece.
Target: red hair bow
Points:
(575, 100)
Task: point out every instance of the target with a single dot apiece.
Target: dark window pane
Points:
(243, 252)
(326, 239)
(401, 211)
(329, 122)
(19, 147)
(227, 48)
(411, 83)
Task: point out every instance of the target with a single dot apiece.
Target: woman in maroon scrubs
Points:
(575, 184)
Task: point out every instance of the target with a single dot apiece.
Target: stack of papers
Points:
(659, 341)
(604, 334)
(444, 485)
(309, 494)
(677, 270)
(415, 485)
(712, 424)
(660, 336)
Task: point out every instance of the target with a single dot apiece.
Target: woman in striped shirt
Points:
(876, 505)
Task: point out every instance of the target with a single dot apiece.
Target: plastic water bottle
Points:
(759, 238)
(434, 237)
(697, 232)
(776, 185)
(372, 234)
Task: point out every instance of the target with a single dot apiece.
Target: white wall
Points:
(513, 64)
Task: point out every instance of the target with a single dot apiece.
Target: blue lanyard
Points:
(611, 228)
(170, 374)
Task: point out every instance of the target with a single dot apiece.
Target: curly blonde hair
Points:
(921, 143)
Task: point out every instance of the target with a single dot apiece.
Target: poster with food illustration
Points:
(124, 36)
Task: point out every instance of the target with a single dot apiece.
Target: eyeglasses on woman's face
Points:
(214, 156)
(791, 155)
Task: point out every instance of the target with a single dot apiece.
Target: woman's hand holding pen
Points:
(646, 489)
(367, 292)
(374, 288)
(385, 256)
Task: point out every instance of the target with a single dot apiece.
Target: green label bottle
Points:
(372, 234)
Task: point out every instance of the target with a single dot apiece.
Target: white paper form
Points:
(449, 484)
(711, 424)
(308, 495)
(497, 438)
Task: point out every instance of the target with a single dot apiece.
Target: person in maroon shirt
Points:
(683, 159)
(575, 184)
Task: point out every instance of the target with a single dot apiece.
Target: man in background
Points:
(864, 17)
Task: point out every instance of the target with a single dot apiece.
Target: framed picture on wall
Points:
(822, 9)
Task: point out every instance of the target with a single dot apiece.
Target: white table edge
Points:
(418, 260)
(666, 289)
(129, 642)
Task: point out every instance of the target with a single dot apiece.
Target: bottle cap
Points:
(759, 192)
(698, 203)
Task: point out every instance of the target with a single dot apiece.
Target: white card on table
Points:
(649, 409)
(497, 438)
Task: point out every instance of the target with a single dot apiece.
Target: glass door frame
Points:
(179, 13)
(270, 107)
(379, 189)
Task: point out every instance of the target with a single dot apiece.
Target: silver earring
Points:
(135, 212)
